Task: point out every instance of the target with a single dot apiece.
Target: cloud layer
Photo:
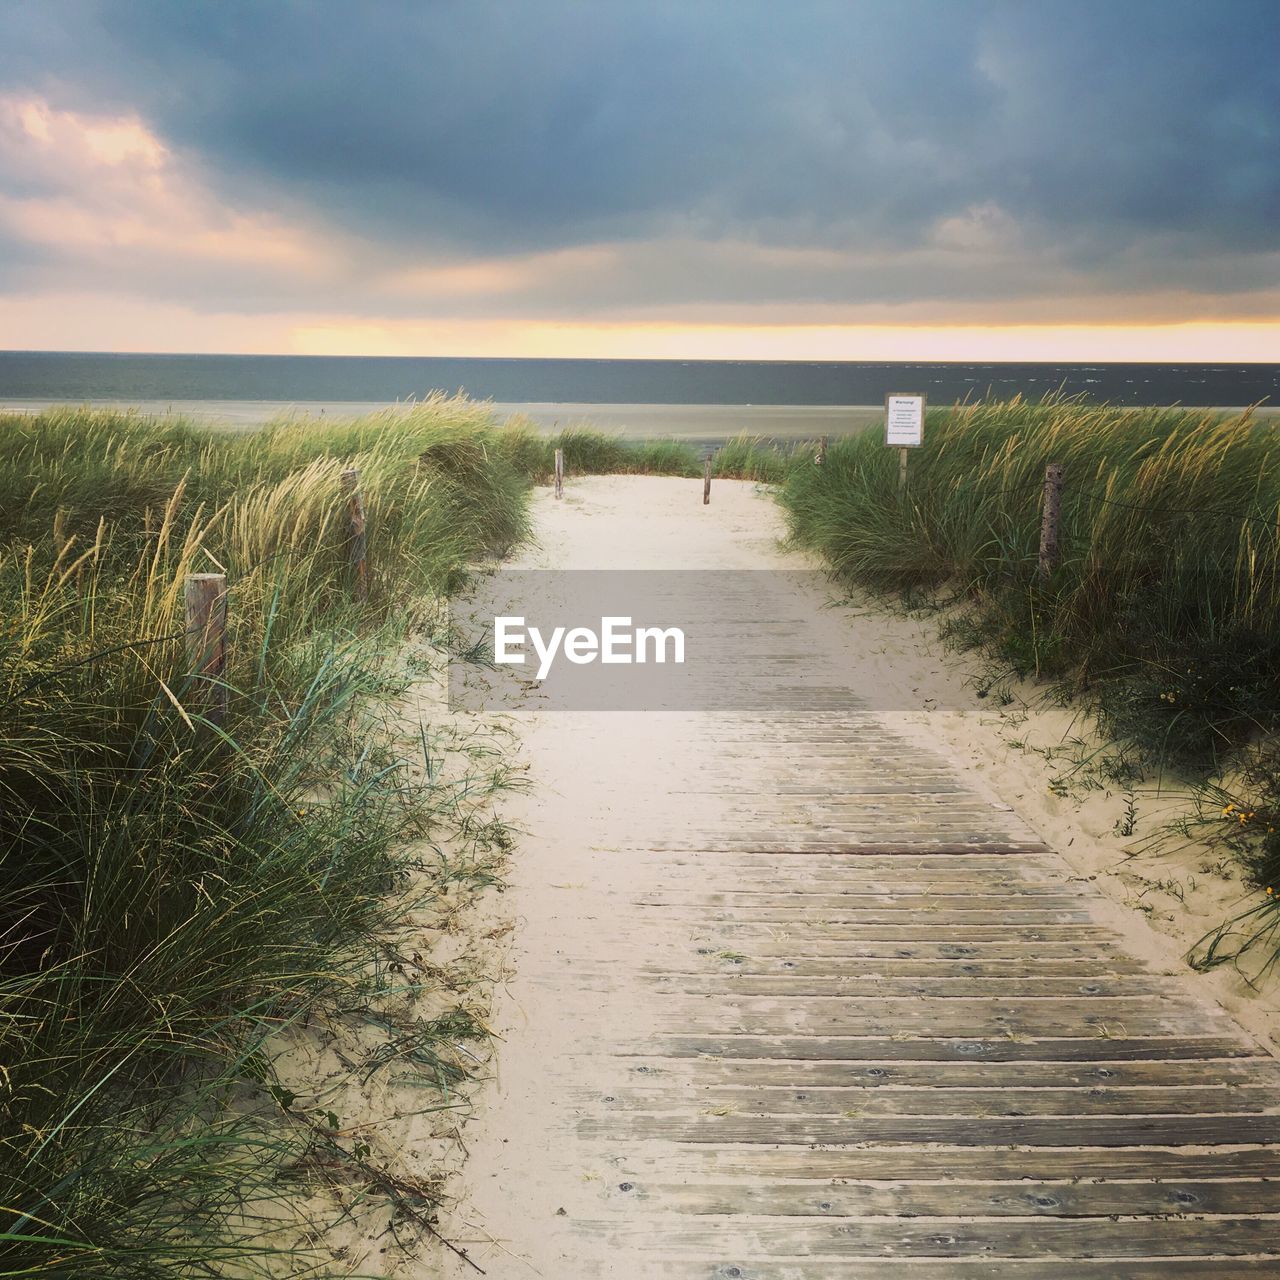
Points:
(822, 161)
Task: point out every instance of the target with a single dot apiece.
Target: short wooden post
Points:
(205, 596)
(902, 469)
(1050, 520)
(821, 456)
(559, 473)
(358, 545)
(706, 480)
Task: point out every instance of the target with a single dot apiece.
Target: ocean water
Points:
(79, 376)
(697, 399)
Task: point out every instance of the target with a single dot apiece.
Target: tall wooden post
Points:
(205, 597)
(902, 469)
(706, 480)
(358, 545)
(1049, 523)
(559, 473)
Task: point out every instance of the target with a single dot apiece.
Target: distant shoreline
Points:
(565, 385)
(691, 422)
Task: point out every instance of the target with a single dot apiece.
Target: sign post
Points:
(904, 426)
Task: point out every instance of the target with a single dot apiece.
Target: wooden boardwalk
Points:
(800, 1004)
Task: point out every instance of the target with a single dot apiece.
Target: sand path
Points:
(794, 998)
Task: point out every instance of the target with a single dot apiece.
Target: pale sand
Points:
(598, 776)
(354, 1065)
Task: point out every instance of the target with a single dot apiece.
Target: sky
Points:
(829, 179)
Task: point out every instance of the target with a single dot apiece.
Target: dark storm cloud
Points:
(1118, 142)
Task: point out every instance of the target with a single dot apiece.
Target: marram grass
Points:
(1164, 611)
(174, 892)
(591, 452)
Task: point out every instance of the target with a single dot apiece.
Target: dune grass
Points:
(175, 892)
(1163, 613)
(746, 457)
(591, 452)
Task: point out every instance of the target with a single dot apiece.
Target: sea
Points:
(691, 399)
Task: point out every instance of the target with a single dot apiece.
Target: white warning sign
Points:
(904, 419)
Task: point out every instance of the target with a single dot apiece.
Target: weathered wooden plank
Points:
(800, 947)
(980, 1131)
(926, 784)
(950, 1237)
(902, 1164)
(849, 883)
(767, 1100)
(726, 1265)
(800, 939)
(914, 823)
(802, 912)
(682, 1073)
(940, 973)
(732, 980)
(858, 877)
(953, 1199)
(758, 873)
(913, 930)
(1063, 970)
(920, 1048)
(917, 895)
(918, 866)
(755, 882)
(1033, 1017)
(842, 1016)
(826, 896)
(785, 845)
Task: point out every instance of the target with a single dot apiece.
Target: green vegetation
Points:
(1164, 613)
(590, 452)
(751, 458)
(174, 893)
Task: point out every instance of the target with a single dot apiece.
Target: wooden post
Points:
(205, 596)
(1051, 518)
(706, 480)
(359, 543)
(559, 473)
(902, 470)
(821, 455)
